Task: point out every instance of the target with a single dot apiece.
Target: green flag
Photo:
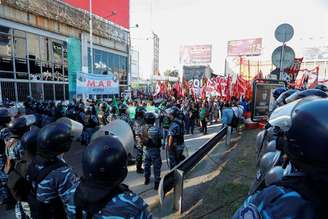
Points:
(115, 104)
(125, 99)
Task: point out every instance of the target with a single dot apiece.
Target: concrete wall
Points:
(56, 16)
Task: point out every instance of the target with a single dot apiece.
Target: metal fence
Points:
(174, 179)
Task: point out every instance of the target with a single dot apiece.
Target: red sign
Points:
(248, 47)
(116, 11)
(197, 54)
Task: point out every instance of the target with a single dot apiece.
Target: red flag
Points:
(227, 88)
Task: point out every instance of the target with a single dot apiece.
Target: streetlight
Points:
(129, 58)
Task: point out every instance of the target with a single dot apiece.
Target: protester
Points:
(203, 118)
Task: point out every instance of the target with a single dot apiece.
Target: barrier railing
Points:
(174, 179)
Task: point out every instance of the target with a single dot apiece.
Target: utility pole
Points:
(91, 42)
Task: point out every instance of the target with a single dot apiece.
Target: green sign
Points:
(74, 64)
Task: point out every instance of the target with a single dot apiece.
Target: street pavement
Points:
(136, 181)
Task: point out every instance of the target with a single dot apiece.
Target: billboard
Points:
(116, 11)
(316, 53)
(247, 47)
(96, 84)
(196, 54)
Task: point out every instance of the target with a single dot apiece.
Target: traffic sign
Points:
(283, 57)
(284, 33)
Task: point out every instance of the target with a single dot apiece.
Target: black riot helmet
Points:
(54, 139)
(21, 125)
(29, 140)
(105, 159)
(278, 91)
(150, 118)
(140, 112)
(88, 110)
(306, 141)
(102, 107)
(4, 116)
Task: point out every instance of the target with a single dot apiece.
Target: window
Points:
(8, 90)
(46, 71)
(37, 91)
(20, 47)
(57, 51)
(59, 91)
(48, 91)
(5, 45)
(44, 49)
(23, 91)
(33, 46)
(5, 30)
(21, 69)
(35, 70)
(58, 72)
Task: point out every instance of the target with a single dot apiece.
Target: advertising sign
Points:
(195, 55)
(263, 99)
(316, 53)
(96, 84)
(116, 11)
(247, 47)
(74, 63)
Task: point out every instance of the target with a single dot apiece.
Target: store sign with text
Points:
(96, 84)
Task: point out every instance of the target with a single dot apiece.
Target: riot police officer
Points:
(102, 114)
(175, 141)
(90, 122)
(164, 123)
(123, 115)
(17, 183)
(101, 193)
(138, 127)
(303, 192)
(152, 145)
(112, 115)
(51, 178)
(4, 134)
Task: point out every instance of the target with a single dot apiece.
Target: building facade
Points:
(44, 43)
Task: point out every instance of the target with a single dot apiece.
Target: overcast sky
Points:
(188, 22)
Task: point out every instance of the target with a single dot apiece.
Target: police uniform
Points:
(138, 128)
(4, 134)
(153, 154)
(102, 118)
(100, 193)
(90, 123)
(124, 205)
(275, 202)
(176, 130)
(165, 124)
(126, 118)
(55, 190)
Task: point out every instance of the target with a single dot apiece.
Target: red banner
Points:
(116, 11)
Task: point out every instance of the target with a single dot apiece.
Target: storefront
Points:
(32, 64)
(41, 53)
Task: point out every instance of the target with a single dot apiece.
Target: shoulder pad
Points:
(249, 212)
